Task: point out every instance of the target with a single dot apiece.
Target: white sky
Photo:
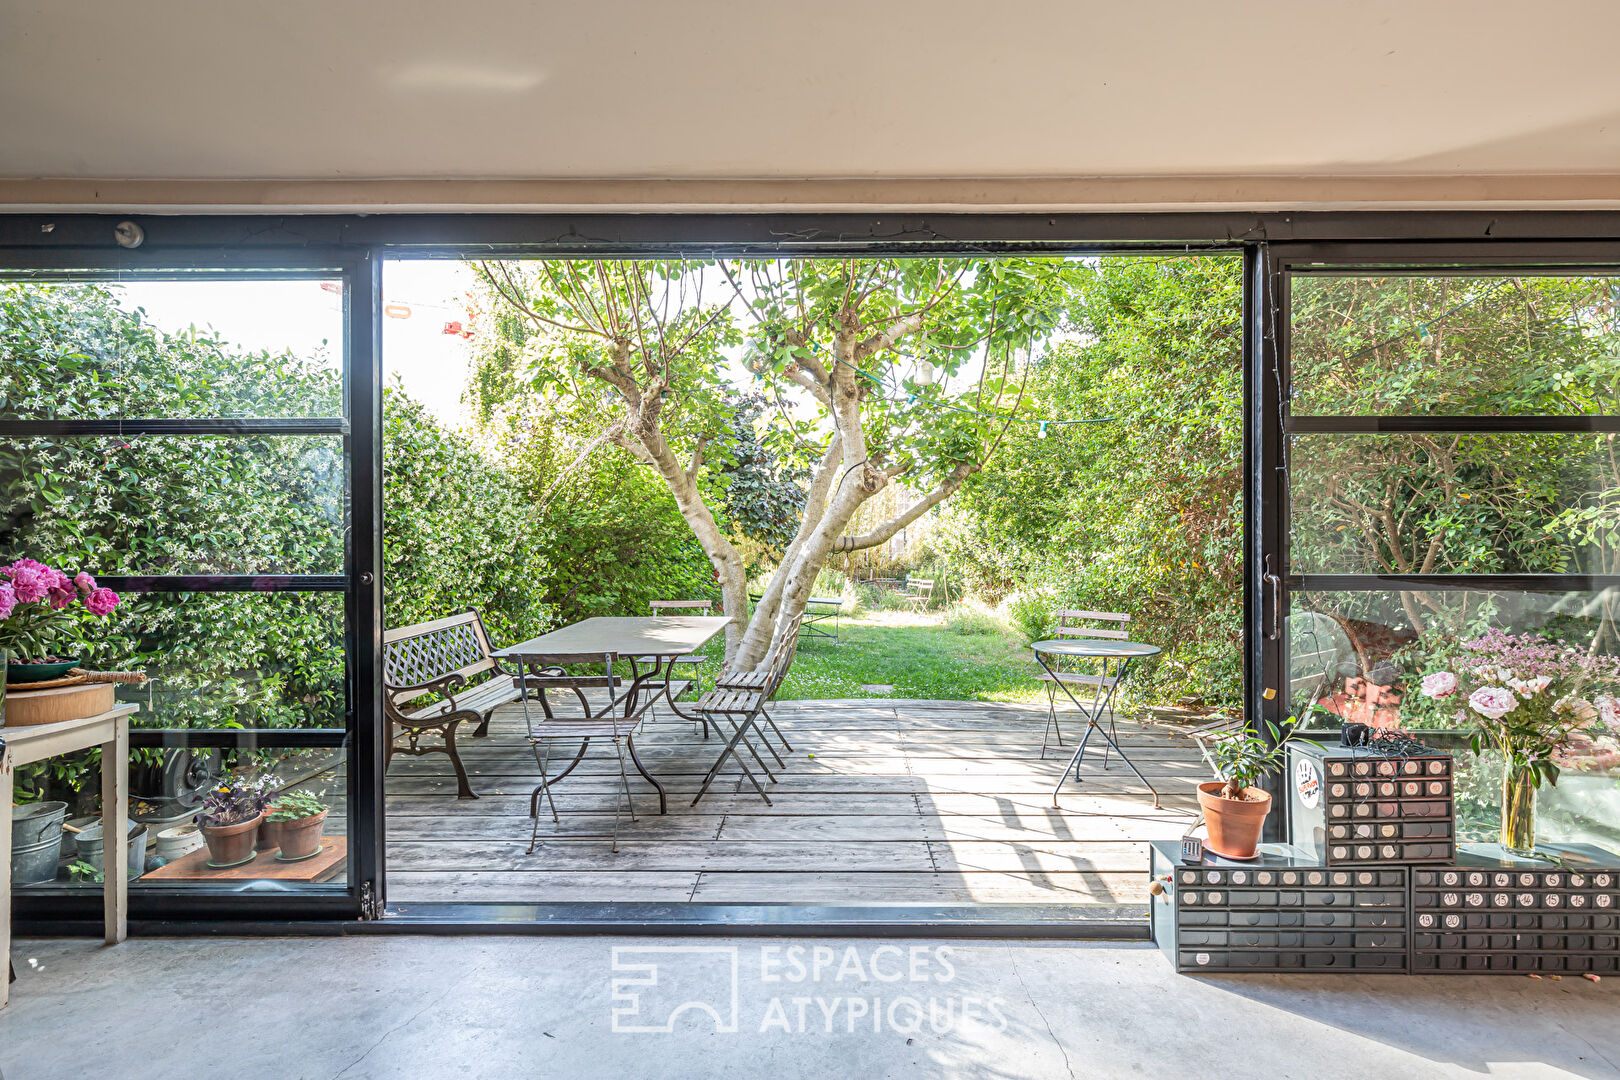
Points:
(306, 317)
(420, 297)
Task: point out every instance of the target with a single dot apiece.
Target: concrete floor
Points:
(539, 1007)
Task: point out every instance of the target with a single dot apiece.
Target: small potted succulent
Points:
(1234, 808)
(295, 820)
(229, 820)
(39, 606)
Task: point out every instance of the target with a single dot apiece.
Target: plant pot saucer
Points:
(1234, 858)
(318, 849)
(212, 865)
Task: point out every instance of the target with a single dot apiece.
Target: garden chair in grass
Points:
(741, 704)
(1078, 623)
(919, 591)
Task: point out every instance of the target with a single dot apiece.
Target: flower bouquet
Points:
(38, 607)
(1530, 699)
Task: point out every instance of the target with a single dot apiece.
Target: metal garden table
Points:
(1119, 653)
(603, 641)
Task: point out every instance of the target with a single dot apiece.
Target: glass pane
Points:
(225, 660)
(1478, 345)
(1358, 653)
(168, 787)
(1452, 504)
(171, 349)
(167, 505)
(1361, 656)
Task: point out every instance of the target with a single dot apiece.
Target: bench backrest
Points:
(1070, 622)
(921, 586)
(416, 655)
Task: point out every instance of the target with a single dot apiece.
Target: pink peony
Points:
(101, 601)
(8, 600)
(1440, 684)
(31, 580)
(1492, 702)
(85, 583)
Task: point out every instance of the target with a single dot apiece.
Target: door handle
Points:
(1274, 623)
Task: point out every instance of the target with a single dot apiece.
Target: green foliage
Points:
(460, 531)
(1243, 756)
(1142, 514)
(455, 535)
(296, 805)
(968, 620)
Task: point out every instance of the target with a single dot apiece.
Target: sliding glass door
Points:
(201, 442)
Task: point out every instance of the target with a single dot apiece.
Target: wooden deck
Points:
(912, 802)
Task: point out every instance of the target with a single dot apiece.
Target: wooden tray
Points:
(27, 708)
(192, 866)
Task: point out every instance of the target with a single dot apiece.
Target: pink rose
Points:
(31, 580)
(85, 582)
(8, 599)
(101, 601)
(1440, 684)
(1492, 702)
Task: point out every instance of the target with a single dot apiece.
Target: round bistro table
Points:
(1115, 654)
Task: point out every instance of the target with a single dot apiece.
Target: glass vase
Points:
(1518, 811)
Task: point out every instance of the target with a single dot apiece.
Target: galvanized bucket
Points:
(36, 842)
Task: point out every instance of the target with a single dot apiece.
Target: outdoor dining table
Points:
(604, 640)
(1119, 654)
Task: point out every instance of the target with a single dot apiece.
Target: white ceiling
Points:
(332, 90)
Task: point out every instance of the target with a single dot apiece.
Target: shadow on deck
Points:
(882, 802)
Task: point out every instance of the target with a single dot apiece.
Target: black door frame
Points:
(358, 246)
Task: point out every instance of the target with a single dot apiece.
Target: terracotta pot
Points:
(231, 844)
(269, 835)
(301, 838)
(1234, 824)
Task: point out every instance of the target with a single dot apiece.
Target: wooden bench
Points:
(439, 659)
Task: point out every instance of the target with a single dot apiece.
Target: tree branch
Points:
(883, 532)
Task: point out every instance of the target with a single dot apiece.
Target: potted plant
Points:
(297, 818)
(229, 820)
(1531, 700)
(38, 607)
(1234, 808)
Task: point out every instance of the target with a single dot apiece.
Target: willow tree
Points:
(878, 372)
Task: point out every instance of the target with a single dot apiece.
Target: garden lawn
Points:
(916, 654)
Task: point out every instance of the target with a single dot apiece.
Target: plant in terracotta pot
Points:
(297, 818)
(39, 608)
(1234, 808)
(229, 820)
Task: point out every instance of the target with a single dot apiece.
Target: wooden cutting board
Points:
(27, 708)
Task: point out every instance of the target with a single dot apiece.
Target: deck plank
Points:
(904, 803)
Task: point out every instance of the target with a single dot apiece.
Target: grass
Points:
(960, 656)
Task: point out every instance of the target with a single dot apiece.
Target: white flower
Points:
(1528, 688)
(1492, 702)
(1440, 684)
(1609, 709)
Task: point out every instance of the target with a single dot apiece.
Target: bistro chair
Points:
(1078, 623)
(689, 666)
(919, 590)
(739, 699)
(616, 722)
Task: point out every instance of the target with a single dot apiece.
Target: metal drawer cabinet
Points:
(1513, 919)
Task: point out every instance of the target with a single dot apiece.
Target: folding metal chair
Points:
(1072, 623)
(689, 665)
(740, 701)
(617, 722)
